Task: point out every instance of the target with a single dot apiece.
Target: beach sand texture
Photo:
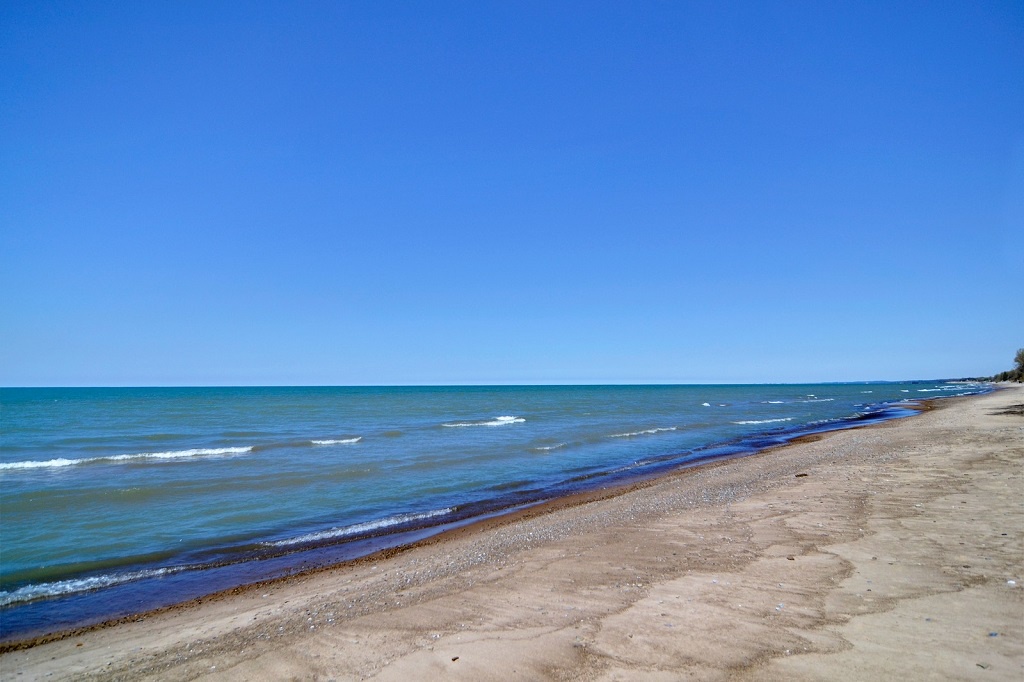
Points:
(891, 551)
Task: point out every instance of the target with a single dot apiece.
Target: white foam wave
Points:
(174, 454)
(706, 404)
(765, 421)
(645, 432)
(357, 528)
(497, 421)
(64, 587)
(337, 441)
(774, 402)
(817, 400)
(196, 452)
(40, 465)
(545, 448)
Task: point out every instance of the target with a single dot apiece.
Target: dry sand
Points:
(872, 553)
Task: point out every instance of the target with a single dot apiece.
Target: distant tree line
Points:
(1015, 374)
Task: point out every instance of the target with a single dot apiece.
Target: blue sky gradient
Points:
(523, 192)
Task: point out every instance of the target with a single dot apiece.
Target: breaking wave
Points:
(358, 528)
(645, 432)
(64, 587)
(143, 456)
(497, 421)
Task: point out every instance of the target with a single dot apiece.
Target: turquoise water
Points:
(147, 487)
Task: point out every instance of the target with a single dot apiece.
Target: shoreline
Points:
(139, 597)
(328, 556)
(467, 570)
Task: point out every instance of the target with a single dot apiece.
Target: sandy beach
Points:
(895, 550)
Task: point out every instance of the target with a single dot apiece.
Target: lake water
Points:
(114, 500)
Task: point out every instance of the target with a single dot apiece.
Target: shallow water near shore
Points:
(115, 501)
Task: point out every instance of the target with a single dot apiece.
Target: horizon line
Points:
(508, 384)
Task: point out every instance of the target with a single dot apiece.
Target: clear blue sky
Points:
(509, 192)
